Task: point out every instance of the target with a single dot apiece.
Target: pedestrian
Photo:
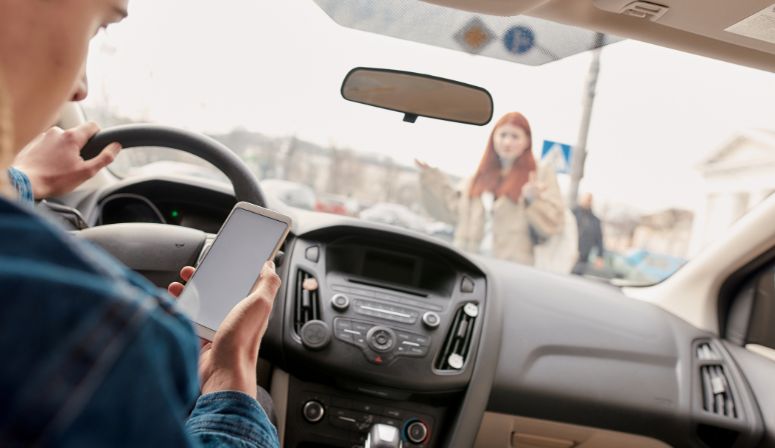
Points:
(509, 206)
(591, 248)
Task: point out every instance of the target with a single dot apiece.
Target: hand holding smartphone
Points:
(250, 236)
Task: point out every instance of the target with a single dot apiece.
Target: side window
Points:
(761, 326)
(751, 319)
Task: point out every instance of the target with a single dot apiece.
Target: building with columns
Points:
(736, 178)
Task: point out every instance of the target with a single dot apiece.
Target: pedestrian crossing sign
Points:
(557, 155)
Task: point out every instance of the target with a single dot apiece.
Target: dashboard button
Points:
(393, 413)
(417, 431)
(417, 351)
(313, 411)
(344, 336)
(467, 285)
(381, 339)
(362, 327)
(341, 324)
(345, 420)
(422, 340)
(360, 340)
(315, 334)
(368, 408)
(377, 358)
(340, 302)
(431, 319)
(312, 254)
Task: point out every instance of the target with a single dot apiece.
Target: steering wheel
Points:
(158, 251)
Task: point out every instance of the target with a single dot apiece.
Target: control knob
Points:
(313, 411)
(417, 432)
(381, 339)
(431, 319)
(340, 302)
(315, 334)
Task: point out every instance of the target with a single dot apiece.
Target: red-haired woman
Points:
(509, 205)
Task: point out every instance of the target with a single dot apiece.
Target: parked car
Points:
(402, 216)
(291, 193)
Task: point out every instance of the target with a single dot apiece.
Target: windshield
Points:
(674, 147)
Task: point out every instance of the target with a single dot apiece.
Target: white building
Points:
(737, 177)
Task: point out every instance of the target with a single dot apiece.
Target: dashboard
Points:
(374, 324)
(389, 334)
(164, 202)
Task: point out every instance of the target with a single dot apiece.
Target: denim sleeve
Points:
(22, 184)
(233, 419)
(94, 355)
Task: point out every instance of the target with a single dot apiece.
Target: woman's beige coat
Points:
(511, 220)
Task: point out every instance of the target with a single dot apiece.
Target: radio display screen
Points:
(391, 268)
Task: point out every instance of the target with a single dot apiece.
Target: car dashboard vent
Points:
(457, 344)
(707, 353)
(306, 300)
(717, 397)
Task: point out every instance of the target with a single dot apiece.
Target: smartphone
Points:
(250, 236)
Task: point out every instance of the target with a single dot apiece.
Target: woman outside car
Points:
(511, 204)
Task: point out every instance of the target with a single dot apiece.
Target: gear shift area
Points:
(383, 436)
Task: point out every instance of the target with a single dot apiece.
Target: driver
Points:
(93, 355)
(51, 165)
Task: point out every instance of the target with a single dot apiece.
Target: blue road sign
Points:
(558, 155)
(519, 39)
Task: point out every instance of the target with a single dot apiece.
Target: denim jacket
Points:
(91, 354)
(22, 184)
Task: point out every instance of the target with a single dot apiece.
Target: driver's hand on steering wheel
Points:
(229, 361)
(53, 160)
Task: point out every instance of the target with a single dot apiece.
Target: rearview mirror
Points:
(417, 95)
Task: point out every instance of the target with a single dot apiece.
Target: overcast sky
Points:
(276, 67)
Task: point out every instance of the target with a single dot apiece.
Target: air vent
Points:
(716, 393)
(457, 344)
(717, 397)
(707, 353)
(306, 301)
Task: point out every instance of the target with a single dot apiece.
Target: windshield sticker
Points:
(519, 39)
(760, 26)
(474, 36)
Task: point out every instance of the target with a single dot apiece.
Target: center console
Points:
(377, 332)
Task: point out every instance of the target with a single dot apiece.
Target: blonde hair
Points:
(6, 141)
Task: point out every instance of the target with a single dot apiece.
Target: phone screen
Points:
(231, 267)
